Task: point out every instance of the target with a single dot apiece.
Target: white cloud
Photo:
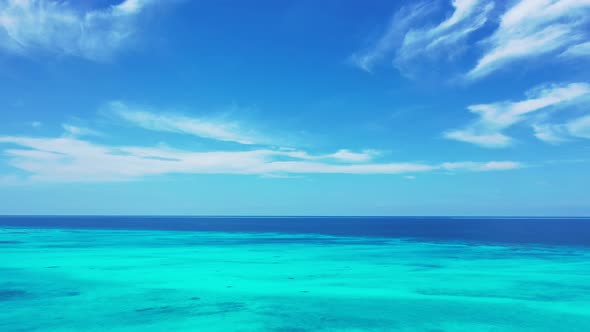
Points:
(550, 133)
(347, 155)
(525, 29)
(55, 26)
(504, 114)
(68, 159)
(481, 167)
(174, 123)
(445, 38)
(409, 44)
(563, 132)
(390, 40)
(495, 117)
(582, 49)
(470, 135)
(532, 28)
(580, 127)
(76, 131)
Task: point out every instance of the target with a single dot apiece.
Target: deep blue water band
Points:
(550, 231)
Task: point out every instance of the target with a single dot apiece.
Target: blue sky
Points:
(465, 107)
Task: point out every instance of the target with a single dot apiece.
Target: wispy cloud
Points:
(532, 28)
(550, 133)
(479, 136)
(579, 127)
(409, 39)
(350, 156)
(561, 132)
(68, 159)
(481, 167)
(386, 45)
(526, 29)
(77, 131)
(222, 130)
(57, 27)
(582, 49)
(496, 117)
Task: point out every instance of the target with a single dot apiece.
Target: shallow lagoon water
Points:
(160, 280)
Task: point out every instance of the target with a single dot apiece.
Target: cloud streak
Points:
(487, 131)
(557, 133)
(527, 29)
(409, 42)
(532, 28)
(56, 27)
(227, 131)
(68, 159)
(578, 50)
(75, 131)
(579, 127)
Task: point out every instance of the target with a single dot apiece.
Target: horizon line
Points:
(295, 216)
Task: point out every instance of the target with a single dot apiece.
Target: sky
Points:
(218, 107)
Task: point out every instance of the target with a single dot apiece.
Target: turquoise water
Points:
(119, 280)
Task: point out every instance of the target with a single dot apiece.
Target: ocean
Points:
(294, 274)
